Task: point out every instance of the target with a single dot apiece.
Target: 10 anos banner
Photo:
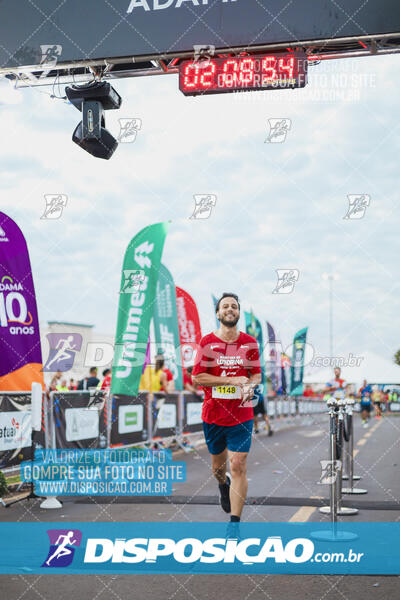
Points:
(8, 312)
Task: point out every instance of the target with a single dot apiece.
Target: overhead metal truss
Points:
(143, 66)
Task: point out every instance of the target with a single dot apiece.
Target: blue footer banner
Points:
(297, 548)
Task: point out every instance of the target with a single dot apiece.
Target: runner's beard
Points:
(231, 323)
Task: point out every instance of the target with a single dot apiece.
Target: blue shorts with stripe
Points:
(236, 438)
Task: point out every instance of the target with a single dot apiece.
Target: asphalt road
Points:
(283, 471)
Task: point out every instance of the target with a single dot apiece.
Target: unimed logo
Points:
(191, 550)
(131, 418)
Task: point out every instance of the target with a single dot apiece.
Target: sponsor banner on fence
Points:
(20, 352)
(193, 413)
(165, 414)
(81, 424)
(136, 303)
(129, 420)
(194, 548)
(78, 420)
(191, 408)
(15, 429)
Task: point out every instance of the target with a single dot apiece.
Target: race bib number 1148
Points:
(226, 392)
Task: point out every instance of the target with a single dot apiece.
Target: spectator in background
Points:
(308, 392)
(62, 387)
(88, 382)
(55, 380)
(167, 385)
(154, 380)
(189, 385)
(376, 400)
(106, 383)
(72, 385)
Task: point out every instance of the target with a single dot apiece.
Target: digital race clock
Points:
(232, 74)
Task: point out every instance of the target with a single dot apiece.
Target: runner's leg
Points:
(267, 424)
(238, 471)
(218, 464)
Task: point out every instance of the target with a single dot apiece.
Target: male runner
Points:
(336, 384)
(228, 368)
(365, 402)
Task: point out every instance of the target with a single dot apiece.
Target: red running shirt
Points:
(222, 359)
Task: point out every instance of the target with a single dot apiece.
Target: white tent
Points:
(369, 366)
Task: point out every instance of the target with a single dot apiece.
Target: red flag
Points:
(189, 326)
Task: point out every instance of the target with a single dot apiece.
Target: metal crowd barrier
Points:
(341, 436)
(95, 419)
(148, 419)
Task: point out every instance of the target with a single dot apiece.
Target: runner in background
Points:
(376, 400)
(259, 409)
(228, 368)
(337, 383)
(364, 394)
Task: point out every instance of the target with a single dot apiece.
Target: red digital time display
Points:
(258, 72)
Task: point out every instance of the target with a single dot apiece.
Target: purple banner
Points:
(20, 353)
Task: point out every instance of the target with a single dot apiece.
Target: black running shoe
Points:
(224, 494)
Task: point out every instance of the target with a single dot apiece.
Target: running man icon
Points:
(62, 542)
(62, 353)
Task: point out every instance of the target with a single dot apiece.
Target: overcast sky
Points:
(279, 205)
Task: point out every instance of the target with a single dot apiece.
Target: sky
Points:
(278, 205)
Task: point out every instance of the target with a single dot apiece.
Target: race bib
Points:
(226, 392)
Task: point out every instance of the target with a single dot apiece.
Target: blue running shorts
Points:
(236, 438)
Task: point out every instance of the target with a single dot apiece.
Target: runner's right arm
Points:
(208, 380)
